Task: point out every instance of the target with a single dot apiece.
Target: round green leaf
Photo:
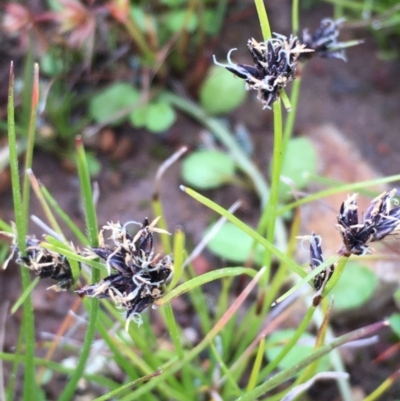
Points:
(160, 116)
(138, 117)
(207, 169)
(94, 166)
(300, 162)
(221, 91)
(174, 3)
(394, 320)
(304, 348)
(108, 103)
(51, 65)
(355, 287)
(233, 244)
(177, 20)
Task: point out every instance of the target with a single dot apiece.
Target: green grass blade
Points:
(26, 293)
(342, 188)
(333, 259)
(289, 373)
(53, 245)
(87, 195)
(255, 372)
(31, 141)
(5, 227)
(203, 279)
(293, 340)
(64, 216)
(245, 228)
(43, 203)
(179, 252)
(263, 18)
(92, 230)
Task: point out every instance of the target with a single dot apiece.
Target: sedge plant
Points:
(227, 358)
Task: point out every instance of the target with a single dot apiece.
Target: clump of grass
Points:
(226, 360)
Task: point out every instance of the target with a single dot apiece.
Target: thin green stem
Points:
(263, 18)
(255, 372)
(378, 393)
(179, 253)
(176, 339)
(290, 372)
(87, 195)
(336, 275)
(269, 215)
(289, 345)
(31, 142)
(21, 225)
(139, 39)
(342, 188)
(248, 230)
(270, 211)
(295, 17)
(225, 136)
(291, 117)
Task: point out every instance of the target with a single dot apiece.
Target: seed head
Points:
(324, 40)
(275, 65)
(42, 261)
(379, 221)
(316, 259)
(136, 277)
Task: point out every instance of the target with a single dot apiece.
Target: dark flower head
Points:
(275, 65)
(42, 261)
(136, 277)
(316, 259)
(379, 221)
(324, 40)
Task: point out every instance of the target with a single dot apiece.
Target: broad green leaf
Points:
(232, 244)
(300, 161)
(138, 116)
(139, 17)
(394, 320)
(210, 22)
(174, 3)
(221, 91)
(208, 169)
(304, 348)
(94, 165)
(160, 116)
(111, 101)
(396, 298)
(51, 65)
(154, 116)
(177, 20)
(355, 287)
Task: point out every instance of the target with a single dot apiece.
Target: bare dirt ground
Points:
(361, 98)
